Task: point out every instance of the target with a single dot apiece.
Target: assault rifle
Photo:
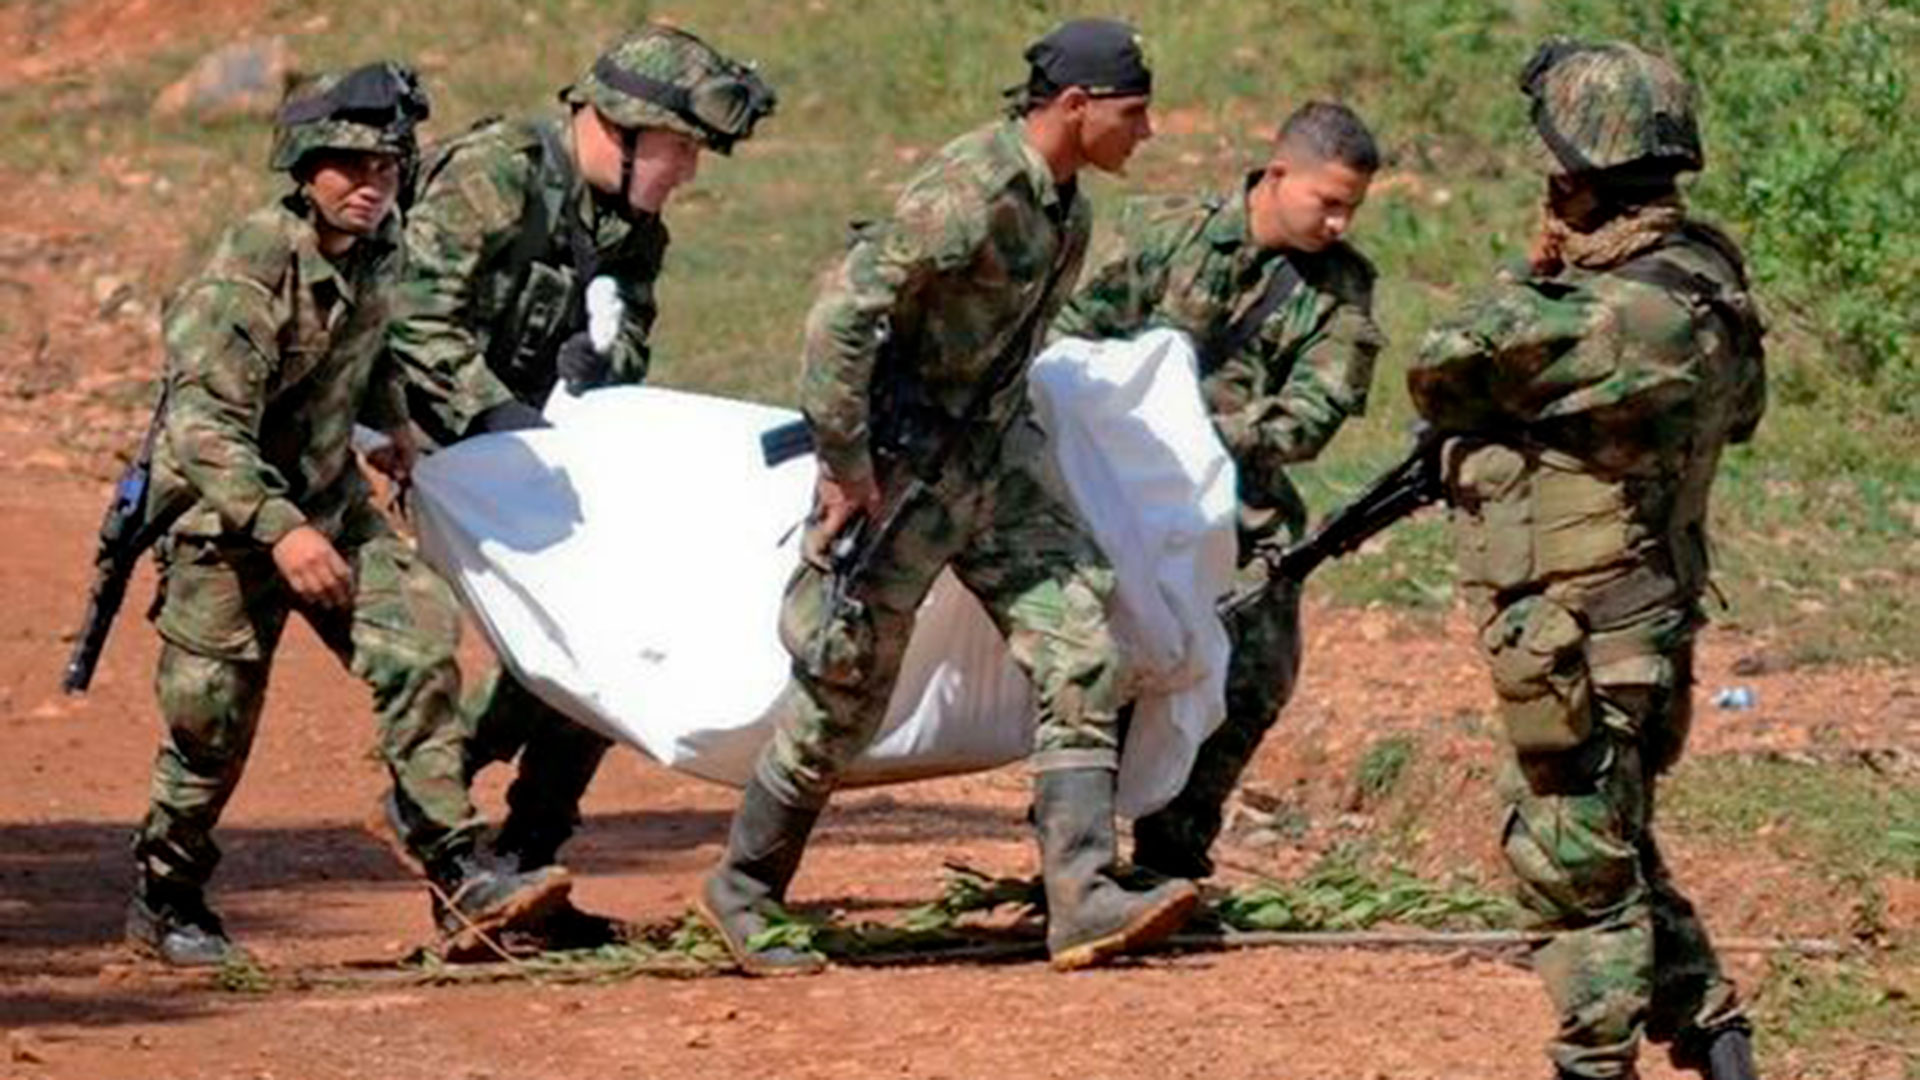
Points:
(1408, 486)
(130, 527)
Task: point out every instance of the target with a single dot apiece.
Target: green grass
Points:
(1848, 822)
(1382, 766)
(1830, 1005)
(1805, 115)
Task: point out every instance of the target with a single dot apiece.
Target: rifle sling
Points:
(1281, 285)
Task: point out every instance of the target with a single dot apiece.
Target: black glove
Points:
(507, 416)
(581, 365)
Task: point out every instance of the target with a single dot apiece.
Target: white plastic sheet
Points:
(628, 566)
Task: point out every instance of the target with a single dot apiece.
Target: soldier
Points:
(276, 347)
(514, 218)
(1587, 401)
(916, 360)
(1279, 308)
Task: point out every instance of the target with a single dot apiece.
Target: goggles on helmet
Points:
(384, 96)
(723, 105)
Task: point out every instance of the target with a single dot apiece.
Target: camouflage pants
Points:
(1628, 958)
(1261, 674)
(1041, 579)
(558, 758)
(222, 610)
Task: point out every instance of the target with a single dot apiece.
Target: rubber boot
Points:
(1091, 916)
(479, 896)
(172, 922)
(743, 894)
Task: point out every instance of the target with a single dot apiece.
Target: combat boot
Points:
(525, 850)
(171, 921)
(1722, 1054)
(741, 898)
(1091, 916)
(477, 896)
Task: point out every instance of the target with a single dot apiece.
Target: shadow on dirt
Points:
(63, 885)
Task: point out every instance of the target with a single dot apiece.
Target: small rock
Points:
(24, 1049)
(246, 78)
(1750, 665)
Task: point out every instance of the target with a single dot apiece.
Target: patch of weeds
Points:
(240, 973)
(1813, 1004)
(1834, 816)
(1381, 767)
(1340, 893)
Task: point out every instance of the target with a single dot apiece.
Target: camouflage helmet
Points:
(663, 77)
(1608, 105)
(374, 108)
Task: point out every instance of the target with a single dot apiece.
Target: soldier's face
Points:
(353, 191)
(1305, 204)
(662, 161)
(1112, 128)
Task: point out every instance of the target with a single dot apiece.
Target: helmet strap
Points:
(629, 143)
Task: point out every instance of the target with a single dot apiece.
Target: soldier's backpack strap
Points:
(1732, 306)
(1654, 267)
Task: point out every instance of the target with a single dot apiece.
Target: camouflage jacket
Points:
(468, 332)
(274, 352)
(1592, 407)
(1191, 264)
(981, 246)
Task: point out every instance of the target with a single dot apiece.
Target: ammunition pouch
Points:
(1536, 650)
(542, 321)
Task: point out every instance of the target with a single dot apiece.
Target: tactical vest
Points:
(1585, 543)
(533, 298)
(1583, 502)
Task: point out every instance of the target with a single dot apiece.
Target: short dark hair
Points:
(1331, 132)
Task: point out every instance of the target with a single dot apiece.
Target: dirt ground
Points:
(305, 886)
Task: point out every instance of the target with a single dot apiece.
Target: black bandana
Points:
(1101, 56)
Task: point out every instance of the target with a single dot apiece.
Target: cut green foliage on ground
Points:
(1343, 893)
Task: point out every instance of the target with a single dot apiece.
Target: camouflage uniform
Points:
(473, 330)
(275, 351)
(1592, 403)
(981, 242)
(1191, 264)
(473, 333)
(473, 327)
(502, 243)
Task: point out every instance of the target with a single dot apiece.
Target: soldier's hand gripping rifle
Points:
(130, 527)
(1408, 486)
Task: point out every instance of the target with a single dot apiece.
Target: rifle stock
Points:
(1408, 486)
